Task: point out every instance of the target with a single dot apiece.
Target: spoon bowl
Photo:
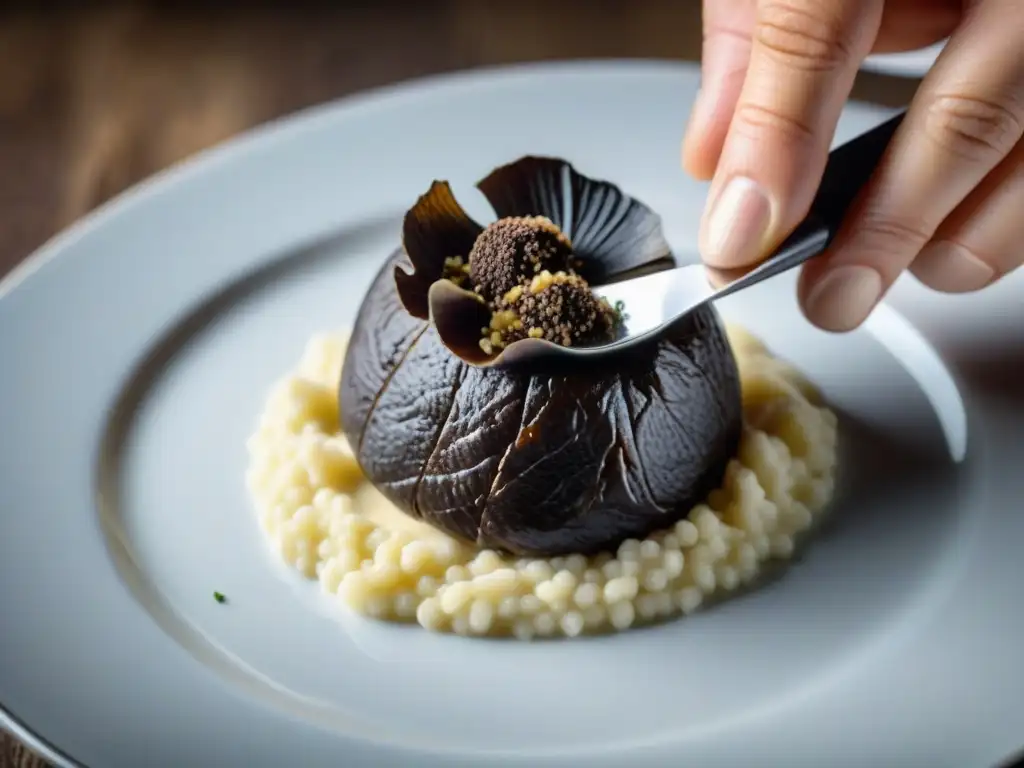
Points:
(650, 299)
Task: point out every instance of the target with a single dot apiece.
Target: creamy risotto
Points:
(324, 520)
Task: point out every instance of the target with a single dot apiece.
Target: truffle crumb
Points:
(510, 251)
(513, 296)
(523, 269)
(456, 270)
(561, 307)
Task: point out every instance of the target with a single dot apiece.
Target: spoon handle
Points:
(849, 168)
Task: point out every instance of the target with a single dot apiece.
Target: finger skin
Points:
(724, 57)
(911, 24)
(967, 116)
(983, 239)
(804, 59)
(728, 24)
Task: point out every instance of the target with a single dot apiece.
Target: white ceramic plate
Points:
(913, 64)
(136, 352)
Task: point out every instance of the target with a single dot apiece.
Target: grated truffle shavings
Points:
(523, 269)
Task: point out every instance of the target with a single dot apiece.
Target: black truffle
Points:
(511, 251)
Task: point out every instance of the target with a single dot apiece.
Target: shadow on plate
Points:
(997, 372)
(876, 468)
(890, 492)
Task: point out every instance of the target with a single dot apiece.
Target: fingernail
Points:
(844, 297)
(951, 268)
(715, 279)
(733, 232)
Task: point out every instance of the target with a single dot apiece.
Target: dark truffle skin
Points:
(537, 462)
(511, 251)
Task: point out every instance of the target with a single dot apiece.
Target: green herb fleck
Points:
(219, 597)
(620, 313)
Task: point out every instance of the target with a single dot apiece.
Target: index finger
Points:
(725, 54)
(803, 63)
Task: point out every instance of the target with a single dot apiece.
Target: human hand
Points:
(947, 201)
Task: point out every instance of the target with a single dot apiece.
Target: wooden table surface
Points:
(94, 99)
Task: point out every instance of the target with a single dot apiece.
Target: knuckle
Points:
(957, 267)
(882, 235)
(885, 228)
(973, 251)
(973, 128)
(802, 36)
(724, 31)
(757, 119)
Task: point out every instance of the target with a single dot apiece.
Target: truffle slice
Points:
(434, 230)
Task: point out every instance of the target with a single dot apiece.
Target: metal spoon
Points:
(655, 302)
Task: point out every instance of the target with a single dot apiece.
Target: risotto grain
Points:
(322, 519)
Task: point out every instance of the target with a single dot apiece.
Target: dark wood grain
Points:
(95, 99)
